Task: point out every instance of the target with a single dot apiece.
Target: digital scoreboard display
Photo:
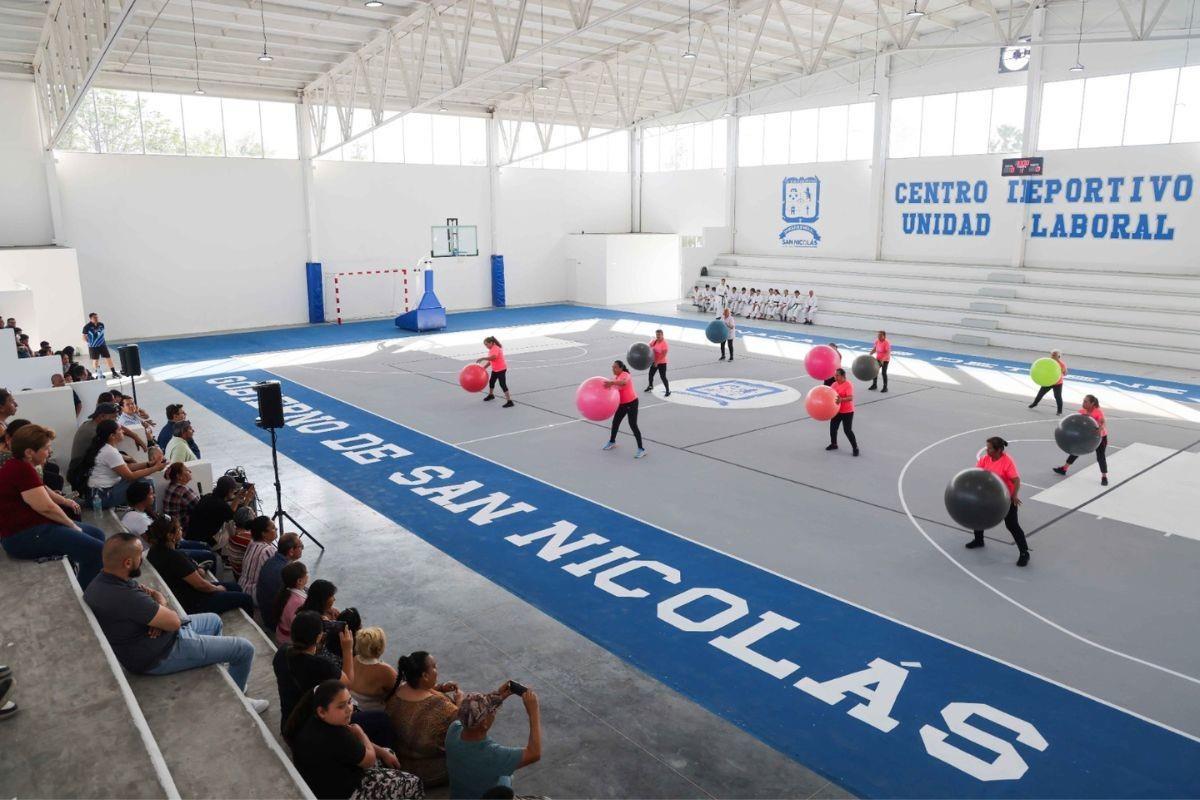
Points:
(1021, 166)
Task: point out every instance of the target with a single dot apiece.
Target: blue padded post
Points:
(316, 292)
(498, 281)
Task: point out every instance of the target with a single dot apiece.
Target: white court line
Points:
(767, 570)
(545, 427)
(993, 589)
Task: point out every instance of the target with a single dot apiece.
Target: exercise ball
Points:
(1045, 372)
(977, 499)
(1077, 435)
(473, 378)
(865, 368)
(640, 356)
(716, 332)
(821, 403)
(822, 361)
(596, 402)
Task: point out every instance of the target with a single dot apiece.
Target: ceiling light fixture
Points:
(1078, 65)
(914, 12)
(374, 4)
(688, 54)
(265, 57)
(195, 47)
(197, 90)
(542, 87)
(262, 15)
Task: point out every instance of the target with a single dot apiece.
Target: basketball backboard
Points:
(454, 240)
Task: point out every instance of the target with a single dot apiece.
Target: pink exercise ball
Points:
(822, 361)
(473, 378)
(821, 403)
(596, 402)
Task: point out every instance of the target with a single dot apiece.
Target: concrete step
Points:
(73, 697)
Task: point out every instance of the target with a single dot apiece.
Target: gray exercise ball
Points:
(1077, 435)
(640, 356)
(977, 499)
(865, 367)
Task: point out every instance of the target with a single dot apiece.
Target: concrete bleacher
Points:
(1138, 317)
(87, 728)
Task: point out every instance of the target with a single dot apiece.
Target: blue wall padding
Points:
(316, 292)
(498, 281)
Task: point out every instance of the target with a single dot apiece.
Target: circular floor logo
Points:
(728, 393)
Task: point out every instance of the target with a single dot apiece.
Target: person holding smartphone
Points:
(475, 761)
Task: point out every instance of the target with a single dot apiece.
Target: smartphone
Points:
(516, 688)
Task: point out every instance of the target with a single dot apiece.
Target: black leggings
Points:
(502, 377)
(1057, 395)
(661, 369)
(1014, 527)
(847, 422)
(1101, 458)
(627, 410)
(882, 371)
(727, 342)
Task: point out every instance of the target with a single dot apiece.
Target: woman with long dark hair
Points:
(659, 346)
(335, 756)
(845, 416)
(1091, 407)
(628, 407)
(996, 460)
(103, 469)
(421, 710)
(495, 359)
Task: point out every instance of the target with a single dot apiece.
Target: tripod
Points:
(280, 514)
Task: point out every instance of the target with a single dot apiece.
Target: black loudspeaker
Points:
(131, 360)
(270, 404)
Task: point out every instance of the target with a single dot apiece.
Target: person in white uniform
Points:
(810, 307)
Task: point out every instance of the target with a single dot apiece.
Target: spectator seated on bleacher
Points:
(44, 349)
(24, 350)
(215, 509)
(49, 471)
(86, 431)
(175, 413)
(421, 711)
(148, 637)
(77, 372)
(179, 499)
(237, 541)
(293, 591)
(8, 405)
(270, 578)
(103, 469)
(140, 497)
(34, 521)
(195, 591)
(335, 756)
(179, 445)
(131, 418)
(475, 761)
(373, 679)
(260, 550)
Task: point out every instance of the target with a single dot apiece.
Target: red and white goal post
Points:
(362, 294)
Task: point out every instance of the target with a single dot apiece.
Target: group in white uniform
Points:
(774, 304)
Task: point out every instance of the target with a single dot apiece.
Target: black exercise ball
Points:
(865, 367)
(1077, 435)
(977, 499)
(640, 356)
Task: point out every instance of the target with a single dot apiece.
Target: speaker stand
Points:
(280, 514)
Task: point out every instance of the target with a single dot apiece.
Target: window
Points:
(959, 124)
(445, 140)
(278, 130)
(243, 128)
(860, 132)
(750, 141)
(672, 148)
(831, 133)
(119, 121)
(603, 151)
(202, 126)
(473, 141)
(1156, 107)
(776, 132)
(418, 138)
(162, 124)
(803, 148)
(389, 142)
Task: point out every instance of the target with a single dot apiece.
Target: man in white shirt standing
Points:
(810, 307)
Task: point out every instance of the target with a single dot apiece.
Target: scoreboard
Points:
(1015, 167)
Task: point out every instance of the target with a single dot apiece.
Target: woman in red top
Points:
(1057, 356)
(883, 355)
(495, 359)
(659, 345)
(997, 461)
(34, 521)
(845, 415)
(628, 407)
(1091, 407)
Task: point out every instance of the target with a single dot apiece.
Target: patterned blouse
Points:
(178, 502)
(421, 727)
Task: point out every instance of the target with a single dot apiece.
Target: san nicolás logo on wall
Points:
(801, 207)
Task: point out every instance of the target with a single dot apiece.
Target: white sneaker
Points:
(259, 706)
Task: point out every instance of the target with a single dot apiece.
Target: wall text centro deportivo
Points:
(1111, 190)
(878, 706)
(926, 223)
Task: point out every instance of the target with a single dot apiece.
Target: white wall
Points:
(615, 269)
(171, 245)
(51, 274)
(537, 209)
(24, 200)
(378, 216)
(842, 223)
(684, 202)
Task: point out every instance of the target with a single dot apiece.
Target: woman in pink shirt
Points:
(628, 407)
(883, 354)
(292, 594)
(997, 461)
(659, 345)
(1091, 407)
(845, 415)
(1057, 388)
(495, 359)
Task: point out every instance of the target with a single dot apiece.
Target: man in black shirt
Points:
(146, 635)
(216, 508)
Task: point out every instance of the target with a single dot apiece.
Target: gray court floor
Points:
(1107, 606)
